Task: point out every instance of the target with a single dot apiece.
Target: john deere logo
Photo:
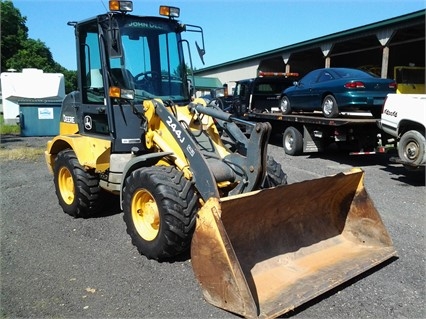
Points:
(88, 122)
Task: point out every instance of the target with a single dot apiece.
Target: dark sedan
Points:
(332, 90)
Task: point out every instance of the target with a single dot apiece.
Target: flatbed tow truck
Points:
(257, 100)
(312, 132)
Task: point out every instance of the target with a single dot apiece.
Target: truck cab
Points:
(261, 94)
(404, 118)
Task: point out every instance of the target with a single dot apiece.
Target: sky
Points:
(233, 29)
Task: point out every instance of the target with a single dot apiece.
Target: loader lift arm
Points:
(203, 177)
(253, 149)
(247, 168)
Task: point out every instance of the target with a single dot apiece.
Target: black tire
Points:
(275, 176)
(285, 105)
(411, 147)
(329, 107)
(77, 190)
(160, 207)
(292, 141)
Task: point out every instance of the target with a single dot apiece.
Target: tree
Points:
(14, 32)
(70, 80)
(32, 54)
(19, 52)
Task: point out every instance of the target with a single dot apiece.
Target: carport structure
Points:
(377, 47)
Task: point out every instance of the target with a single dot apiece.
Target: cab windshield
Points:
(151, 62)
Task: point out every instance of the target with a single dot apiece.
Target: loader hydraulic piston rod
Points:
(214, 113)
(217, 114)
(246, 123)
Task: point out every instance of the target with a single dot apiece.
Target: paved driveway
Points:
(55, 266)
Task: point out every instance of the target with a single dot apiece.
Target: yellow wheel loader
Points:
(259, 247)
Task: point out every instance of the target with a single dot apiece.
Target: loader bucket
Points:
(264, 253)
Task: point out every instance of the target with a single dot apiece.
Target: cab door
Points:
(92, 112)
(100, 116)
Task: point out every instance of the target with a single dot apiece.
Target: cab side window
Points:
(241, 90)
(91, 75)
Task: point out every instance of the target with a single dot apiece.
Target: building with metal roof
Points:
(378, 47)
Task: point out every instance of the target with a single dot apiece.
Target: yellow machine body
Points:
(91, 152)
(159, 137)
(139, 133)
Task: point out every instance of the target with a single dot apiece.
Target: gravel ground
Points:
(54, 266)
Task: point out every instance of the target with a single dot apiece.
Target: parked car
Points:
(332, 90)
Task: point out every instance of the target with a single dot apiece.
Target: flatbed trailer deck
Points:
(312, 132)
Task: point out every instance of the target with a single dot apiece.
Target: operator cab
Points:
(123, 60)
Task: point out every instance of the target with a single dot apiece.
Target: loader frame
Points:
(181, 185)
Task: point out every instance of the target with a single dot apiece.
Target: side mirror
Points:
(201, 52)
(194, 28)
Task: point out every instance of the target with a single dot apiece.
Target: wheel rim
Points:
(289, 142)
(145, 214)
(412, 151)
(328, 106)
(284, 105)
(66, 185)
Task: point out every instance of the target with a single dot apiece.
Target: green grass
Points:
(21, 153)
(8, 128)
